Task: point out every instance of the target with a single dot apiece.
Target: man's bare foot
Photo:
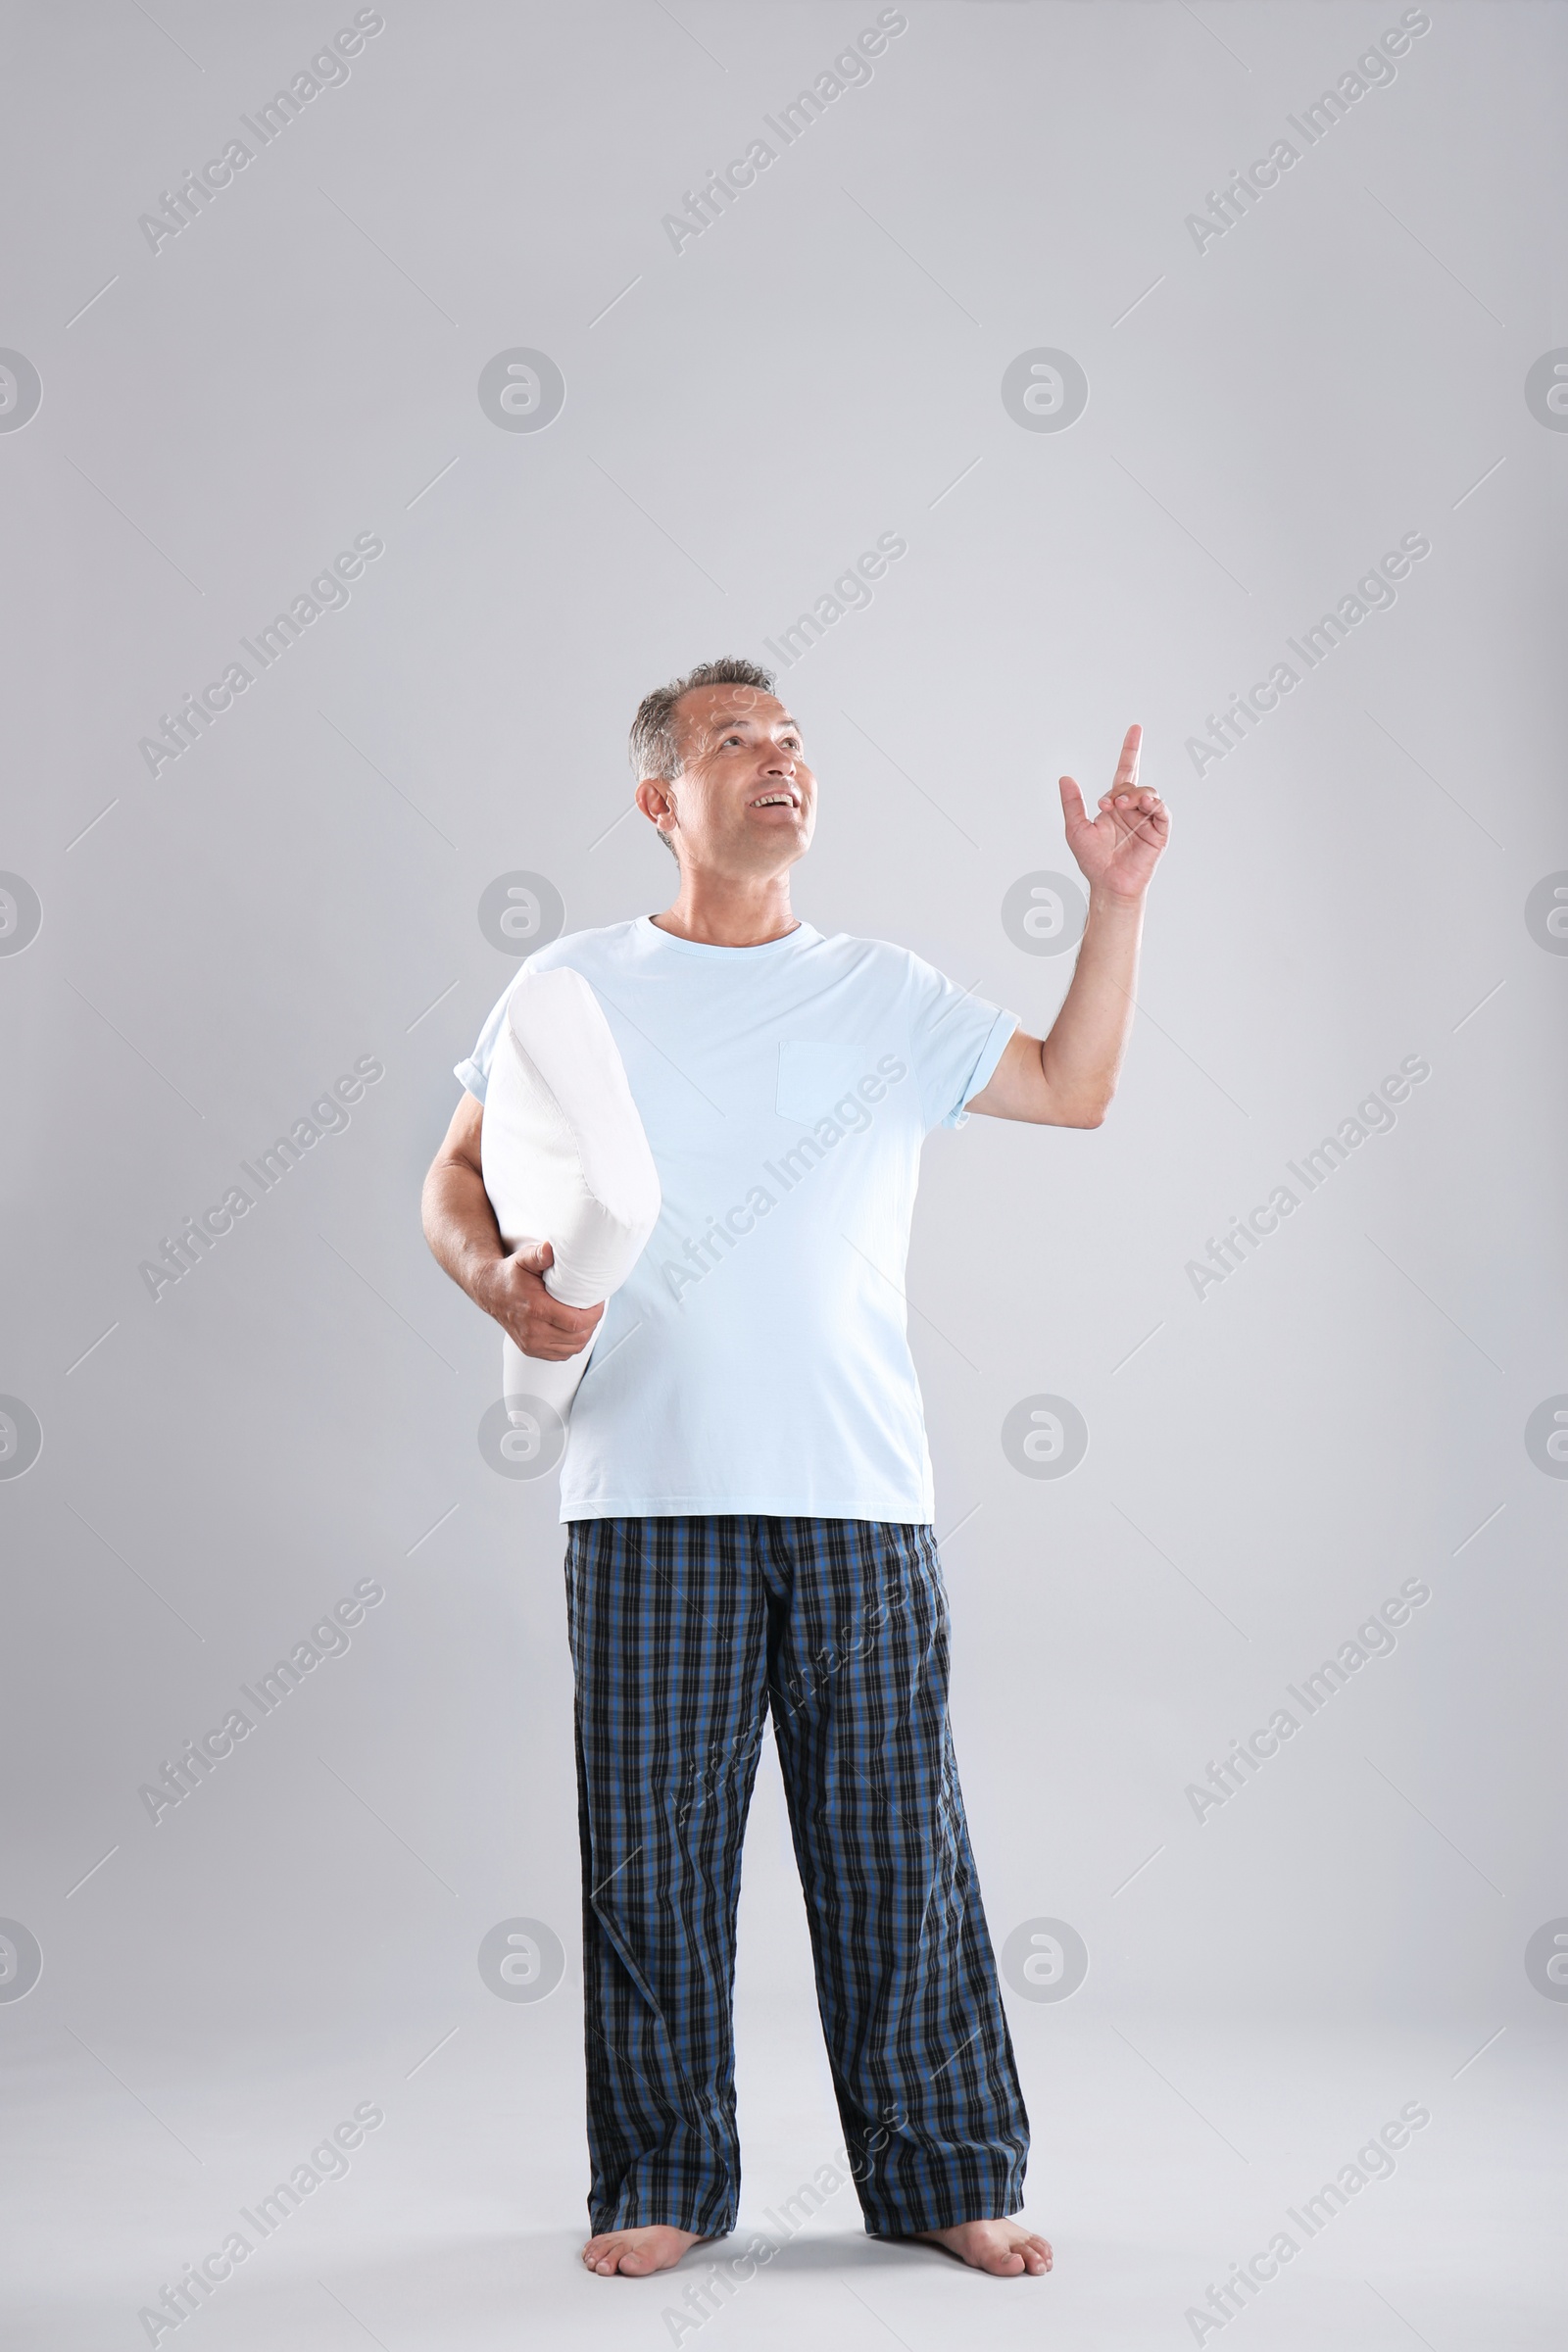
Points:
(634, 2253)
(1007, 2249)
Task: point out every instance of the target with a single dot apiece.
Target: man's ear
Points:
(654, 798)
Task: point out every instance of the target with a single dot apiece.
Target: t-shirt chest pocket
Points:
(817, 1073)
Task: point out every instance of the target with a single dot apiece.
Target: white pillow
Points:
(564, 1159)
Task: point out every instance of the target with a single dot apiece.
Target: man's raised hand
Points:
(1119, 848)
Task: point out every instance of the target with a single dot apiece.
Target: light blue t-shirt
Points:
(757, 1358)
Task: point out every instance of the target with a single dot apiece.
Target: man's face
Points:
(744, 802)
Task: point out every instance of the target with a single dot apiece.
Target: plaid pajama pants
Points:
(683, 1632)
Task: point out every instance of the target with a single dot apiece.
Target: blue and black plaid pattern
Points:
(683, 1632)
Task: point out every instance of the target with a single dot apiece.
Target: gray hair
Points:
(653, 746)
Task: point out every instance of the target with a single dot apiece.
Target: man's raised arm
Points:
(1067, 1078)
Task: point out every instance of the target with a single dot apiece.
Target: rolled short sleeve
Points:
(474, 1073)
(957, 1040)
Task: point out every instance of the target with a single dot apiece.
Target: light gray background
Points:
(1265, 1465)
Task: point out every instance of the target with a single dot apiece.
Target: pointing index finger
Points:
(1127, 766)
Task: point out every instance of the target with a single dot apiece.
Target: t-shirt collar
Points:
(801, 936)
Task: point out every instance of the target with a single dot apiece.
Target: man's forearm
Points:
(507, 1284)
(460, 1227)
(1082, 1057)
(1067, 1079)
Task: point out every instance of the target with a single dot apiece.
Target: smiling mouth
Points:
(776, 799)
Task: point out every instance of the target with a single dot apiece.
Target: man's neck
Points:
(728, 913)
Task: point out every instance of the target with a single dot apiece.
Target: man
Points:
(747, 1490)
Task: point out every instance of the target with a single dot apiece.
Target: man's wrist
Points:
(1115, 903)
(477, 1274)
